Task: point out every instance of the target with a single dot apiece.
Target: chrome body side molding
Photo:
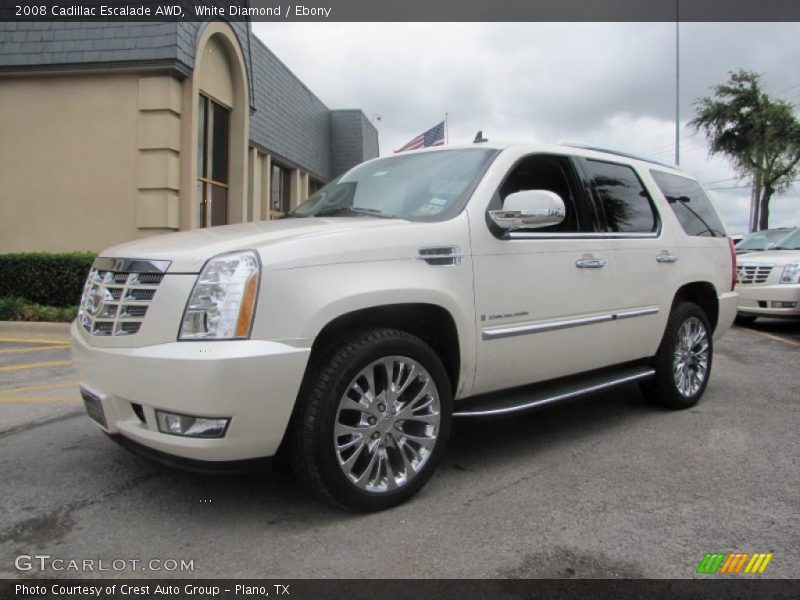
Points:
(636, 312)
(503, 332)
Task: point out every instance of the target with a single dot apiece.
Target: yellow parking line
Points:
(37, 388)
(39, 399)
(773, 337)
(18, 350)
(36, 365)
(34, 340)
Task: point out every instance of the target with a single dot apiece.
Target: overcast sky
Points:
(609, 84)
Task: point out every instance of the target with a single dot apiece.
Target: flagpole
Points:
(446, 130)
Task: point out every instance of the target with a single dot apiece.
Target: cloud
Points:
(603, 83)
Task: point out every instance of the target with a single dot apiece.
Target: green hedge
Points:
(45, 279)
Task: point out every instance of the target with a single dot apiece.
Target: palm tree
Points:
(759, 134)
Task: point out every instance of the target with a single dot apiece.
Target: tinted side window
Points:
(690, 204)
(625, 202)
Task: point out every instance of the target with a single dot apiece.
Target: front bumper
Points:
(252, 382)
(759, 300)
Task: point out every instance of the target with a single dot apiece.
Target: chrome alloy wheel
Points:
(387, 423)
(690, 359)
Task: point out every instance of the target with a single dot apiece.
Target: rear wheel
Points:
(374, 421)
(683, 360)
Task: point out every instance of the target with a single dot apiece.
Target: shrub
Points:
(18, 309)
(10, 308)
(54, 280)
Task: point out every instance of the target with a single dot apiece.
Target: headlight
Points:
(791, 273)
(223, 299)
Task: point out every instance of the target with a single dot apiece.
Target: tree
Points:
(759, 134)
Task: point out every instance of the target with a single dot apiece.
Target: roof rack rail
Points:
(618, 153)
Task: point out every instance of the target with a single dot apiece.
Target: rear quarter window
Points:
(690, 204)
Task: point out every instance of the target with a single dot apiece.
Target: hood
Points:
(189, 250)
(769, 257)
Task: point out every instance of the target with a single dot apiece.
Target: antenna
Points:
(479, 138)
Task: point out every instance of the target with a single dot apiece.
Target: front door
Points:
(543, 297)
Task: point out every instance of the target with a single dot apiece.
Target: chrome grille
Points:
(140, 295)
(117, 295)
(749, 274)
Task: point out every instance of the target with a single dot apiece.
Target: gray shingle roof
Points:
(44, 44)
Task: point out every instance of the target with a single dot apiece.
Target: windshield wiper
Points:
(353, 210)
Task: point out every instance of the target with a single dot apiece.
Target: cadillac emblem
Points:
(94, 301)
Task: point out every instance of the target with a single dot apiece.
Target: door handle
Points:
(667, 257)
(590, 262)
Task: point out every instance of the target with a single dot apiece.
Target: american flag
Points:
(433, 137)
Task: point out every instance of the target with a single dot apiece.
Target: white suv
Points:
(461, 282)
(769, 282)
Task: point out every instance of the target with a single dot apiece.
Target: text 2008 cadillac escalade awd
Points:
(455, 282)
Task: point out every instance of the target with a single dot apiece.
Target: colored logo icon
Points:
(734, 563)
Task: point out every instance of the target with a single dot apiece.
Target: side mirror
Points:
(529, 209)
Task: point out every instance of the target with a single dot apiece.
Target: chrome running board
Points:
(550, 392)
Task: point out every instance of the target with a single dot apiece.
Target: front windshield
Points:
(790, 242)
(428, 186)
(760, 240)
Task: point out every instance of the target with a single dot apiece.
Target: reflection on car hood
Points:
(770, 257)
(189, 250)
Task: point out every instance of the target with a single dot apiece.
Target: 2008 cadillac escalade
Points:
(454, 282)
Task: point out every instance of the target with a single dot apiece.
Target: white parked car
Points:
(769, 282)
(759, 241)
(457, 282)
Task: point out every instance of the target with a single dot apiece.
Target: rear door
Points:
(643, 258)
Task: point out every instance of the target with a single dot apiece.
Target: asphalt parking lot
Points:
(605, 487)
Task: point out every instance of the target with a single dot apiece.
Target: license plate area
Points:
(94, 408)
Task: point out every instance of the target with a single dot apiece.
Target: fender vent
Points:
(441, 256)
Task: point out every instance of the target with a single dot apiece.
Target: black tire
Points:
(745, 319)
(663, 389)
(312, 454)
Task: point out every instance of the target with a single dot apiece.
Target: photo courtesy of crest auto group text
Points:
(353, 300)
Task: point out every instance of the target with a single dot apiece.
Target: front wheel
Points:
(373, 421)
(683, 360)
